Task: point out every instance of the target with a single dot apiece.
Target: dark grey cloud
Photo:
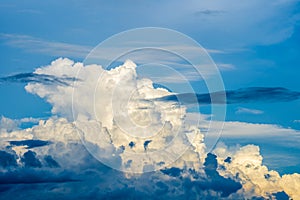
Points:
(40, 177)
(173, 171)
(7, 159)
(239, 96)
(30, 160)
(38, 78)
(51, 162)
(32, 176)
(29, 143)
(209, 12)
(29, 170)
(210, 181)
(217, 182)
(277, 196)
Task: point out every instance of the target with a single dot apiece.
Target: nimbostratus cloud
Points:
(147, 148)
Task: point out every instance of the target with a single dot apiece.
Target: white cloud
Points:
(29, 120)
(241, 110)
(244, 129)
(226, 66)
(257, 179)
(119, 106)
(290, 183)
(122, 114)
(7, 124)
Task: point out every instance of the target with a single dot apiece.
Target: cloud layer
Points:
(112, 116)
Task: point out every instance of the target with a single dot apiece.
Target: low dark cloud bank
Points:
(35, 176)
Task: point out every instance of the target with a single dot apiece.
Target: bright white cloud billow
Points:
(120, 109)
(120, 123)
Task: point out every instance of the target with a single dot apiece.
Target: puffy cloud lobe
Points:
(66, 168)
(7, 125)
(290, 183)
(246, 165)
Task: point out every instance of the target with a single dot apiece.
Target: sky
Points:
(51, 58)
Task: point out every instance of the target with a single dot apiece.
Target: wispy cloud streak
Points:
(38, 45)
(241, 110)
(243, 95)
(37, 78)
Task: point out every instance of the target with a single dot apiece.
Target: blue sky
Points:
(259, 50)
(253, 43)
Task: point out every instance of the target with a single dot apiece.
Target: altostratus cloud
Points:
(37, 78)
(242, 95)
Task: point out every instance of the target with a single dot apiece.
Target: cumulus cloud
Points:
(8, 125)
(257, 179)
(147, 148)
(129, 114)
(83, 171)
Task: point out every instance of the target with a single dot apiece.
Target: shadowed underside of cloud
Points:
(37, 78)
(90, 179)
(243, 95)
(93, 180)
(30, 176)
